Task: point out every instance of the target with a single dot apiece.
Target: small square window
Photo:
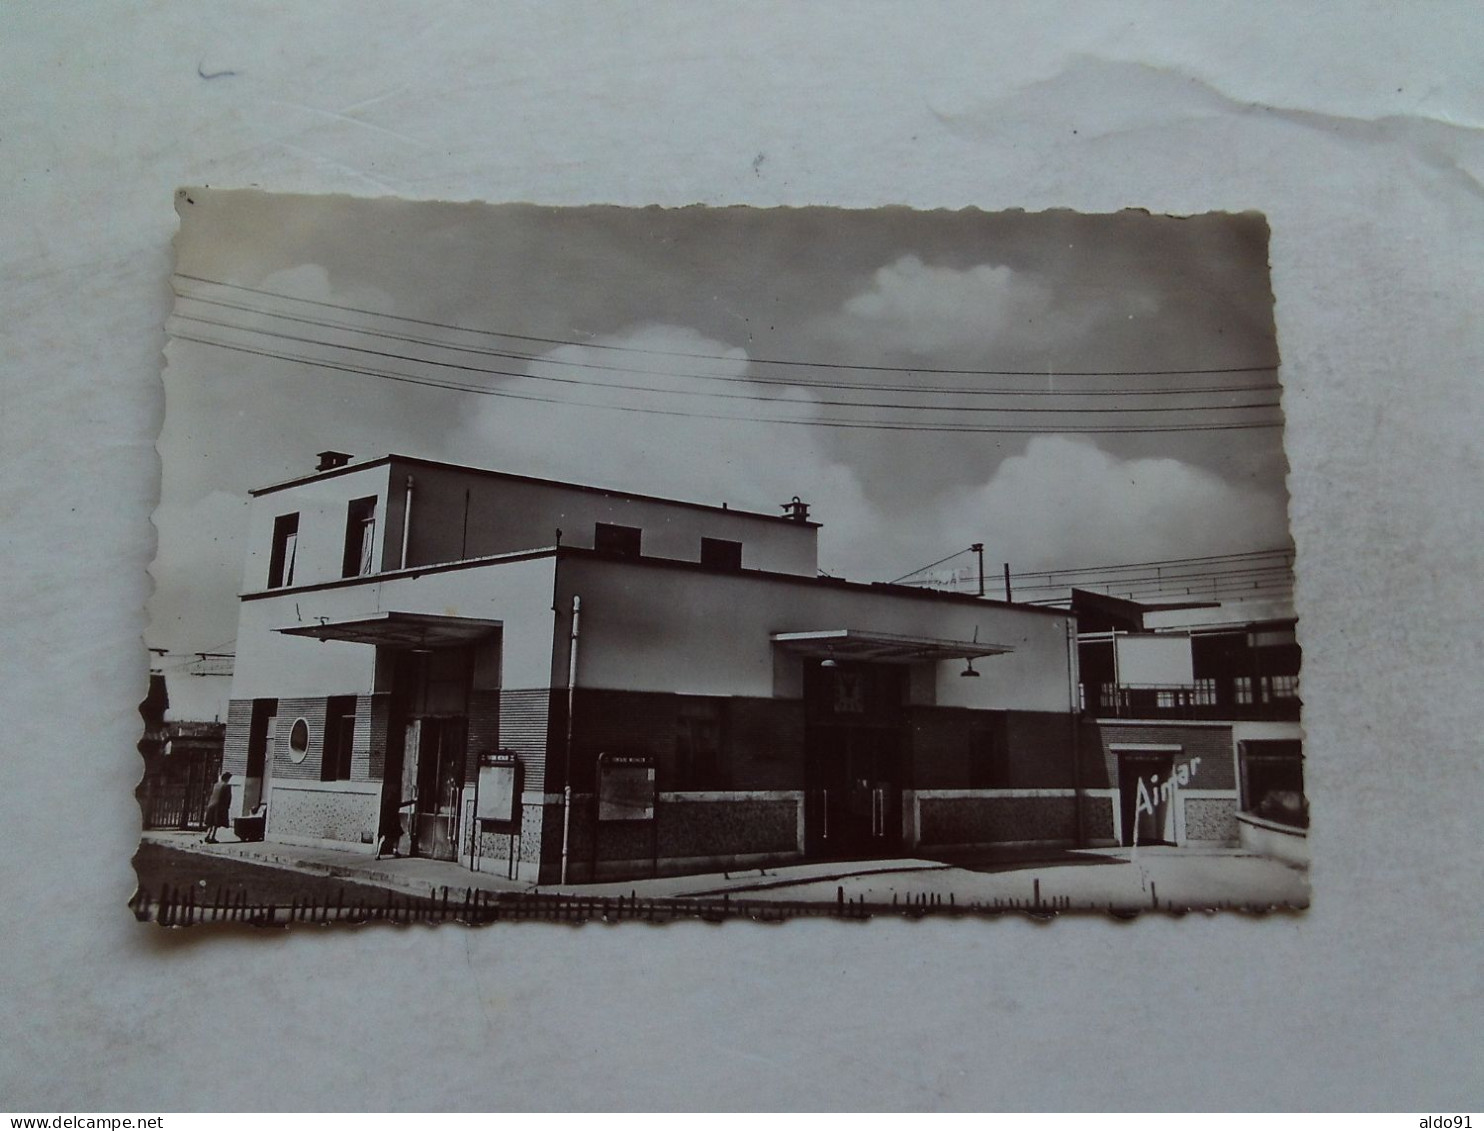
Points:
(719, 553)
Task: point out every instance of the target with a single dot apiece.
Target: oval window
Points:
(299, 740)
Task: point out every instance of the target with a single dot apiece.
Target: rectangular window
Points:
(360, 538)
(611, 539)
(285, 547)
(1273, 780)
(1205, 693)
(721, 553)
(1282, 687)
(1242, 686)
(340, 732)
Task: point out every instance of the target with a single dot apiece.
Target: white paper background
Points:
(1354, 127)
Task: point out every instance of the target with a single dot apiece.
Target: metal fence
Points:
(177, 906)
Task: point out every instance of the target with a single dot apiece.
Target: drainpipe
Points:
(567, 766)
(1074, 678)
(406, 524)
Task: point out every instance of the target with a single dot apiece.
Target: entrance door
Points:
(854, 794)
(436, 774)
(261, 735)
(1146, 797)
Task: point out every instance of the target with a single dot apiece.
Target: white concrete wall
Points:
(321, 506)
(269, 663)
(509, 515)
(653, 628)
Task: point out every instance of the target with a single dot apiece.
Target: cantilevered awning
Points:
(884, 647)
(397, 630)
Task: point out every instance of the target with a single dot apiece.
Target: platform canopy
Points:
(397, 630)
(882, 647)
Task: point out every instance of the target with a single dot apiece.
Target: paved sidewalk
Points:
(413, 875)
(1166, 877)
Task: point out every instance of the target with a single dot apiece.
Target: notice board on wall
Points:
(625, 787)
(499, 787)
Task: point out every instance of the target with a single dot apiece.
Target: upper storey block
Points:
(351, 520)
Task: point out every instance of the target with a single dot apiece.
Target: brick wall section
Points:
(313, 711)
(762, 739)
(381, 721)
(1040, 746)
(942, 746)
(484, 729)
(360, 746)
(523, 719)
(1213, 745)
(239, 722)
(767, 743)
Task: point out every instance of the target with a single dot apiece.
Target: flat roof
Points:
(397, 630)
(489, 473)
(880, 588)
(866, 644)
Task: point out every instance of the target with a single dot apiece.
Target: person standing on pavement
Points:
(218, 807)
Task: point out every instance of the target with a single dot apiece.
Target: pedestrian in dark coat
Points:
(218, 808)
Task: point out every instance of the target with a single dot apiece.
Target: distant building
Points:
(1193, 720)
(544, 679)
(182, 758)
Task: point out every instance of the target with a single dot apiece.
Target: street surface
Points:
(1117, 880)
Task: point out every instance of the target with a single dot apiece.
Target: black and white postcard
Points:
(614, 563)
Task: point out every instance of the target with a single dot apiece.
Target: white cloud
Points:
(1066, 503)
(924, 308)
(750, 465)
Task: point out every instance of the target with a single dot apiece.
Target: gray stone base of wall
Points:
(308, 813)
(685, 836)
(1211, 820)
(946, 821)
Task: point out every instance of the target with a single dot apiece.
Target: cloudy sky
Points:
(1048, 384)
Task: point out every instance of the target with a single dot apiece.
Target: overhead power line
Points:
(717, 357)
(895, 405)
(789, 382)
(889, 426)
(1210, 558)
(1243, 563)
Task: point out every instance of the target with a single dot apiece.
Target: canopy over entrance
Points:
(881, 647)
(398, 630)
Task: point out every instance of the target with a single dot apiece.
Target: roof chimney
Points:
(328, 461)
(796, 510)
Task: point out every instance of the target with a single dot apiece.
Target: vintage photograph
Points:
(617, 564)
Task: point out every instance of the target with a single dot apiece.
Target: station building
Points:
(552, 681)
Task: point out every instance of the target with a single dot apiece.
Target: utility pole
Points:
(978, 548)
(1007, 583)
